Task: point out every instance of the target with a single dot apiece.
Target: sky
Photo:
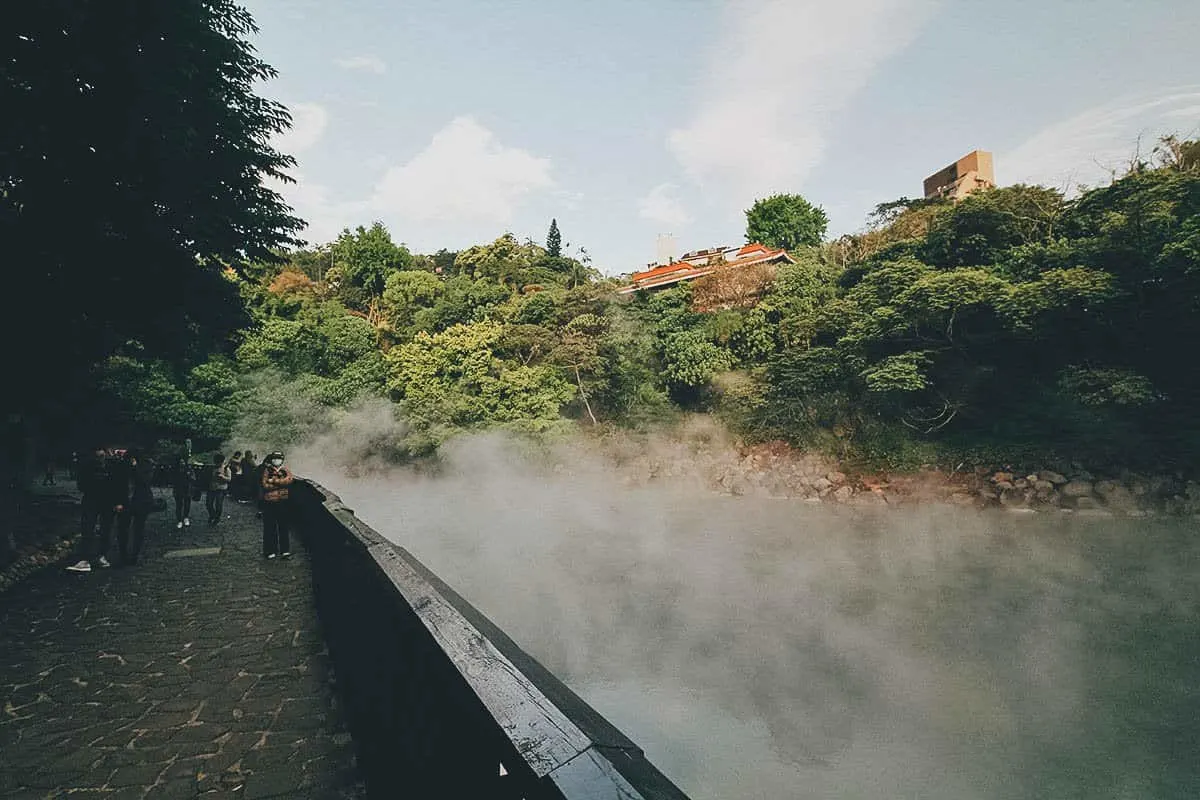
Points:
(455, 121)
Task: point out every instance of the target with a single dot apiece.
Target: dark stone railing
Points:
(441, 703)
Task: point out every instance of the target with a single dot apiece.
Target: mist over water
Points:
(771, 649)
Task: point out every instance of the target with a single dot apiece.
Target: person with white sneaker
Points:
(276, 478)
(141, 502)
(99, 479)
(183, 479)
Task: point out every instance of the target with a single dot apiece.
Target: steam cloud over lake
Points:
(761, 649)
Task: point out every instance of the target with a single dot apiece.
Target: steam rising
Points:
(761, 649)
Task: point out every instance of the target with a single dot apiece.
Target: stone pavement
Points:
(187, 675)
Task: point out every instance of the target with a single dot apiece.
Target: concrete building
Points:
(665, 249)
(970, 173)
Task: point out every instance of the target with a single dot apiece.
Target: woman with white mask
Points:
(276, 478)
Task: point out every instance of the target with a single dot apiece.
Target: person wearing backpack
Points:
(276, 503)
(218, 484)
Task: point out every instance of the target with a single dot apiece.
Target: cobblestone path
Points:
(190, 674)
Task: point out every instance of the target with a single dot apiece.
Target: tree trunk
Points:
(583, 396)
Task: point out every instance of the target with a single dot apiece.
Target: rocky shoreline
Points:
(776, 470)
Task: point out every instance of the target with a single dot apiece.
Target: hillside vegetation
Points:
(1015, 325)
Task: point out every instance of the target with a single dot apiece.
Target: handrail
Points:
(440, 700)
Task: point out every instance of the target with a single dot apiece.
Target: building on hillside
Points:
(972, 172)
(699, 263)
(665, 247)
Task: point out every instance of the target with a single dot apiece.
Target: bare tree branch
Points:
(583, 395)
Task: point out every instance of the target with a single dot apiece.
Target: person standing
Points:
(249, 478)
(276, 503)
(183, 480)
(101, 502)
(218, 484)
(256, 485)
(141, 502)
(235, 475)
(48, 477)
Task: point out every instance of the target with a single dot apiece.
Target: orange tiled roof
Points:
(753, 253)
(665, 269)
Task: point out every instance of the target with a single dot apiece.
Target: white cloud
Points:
(662, 206)
(463, 187)
(463, 175)
(308, 126)
(365, 63)
(1090, 147)
(776, 82)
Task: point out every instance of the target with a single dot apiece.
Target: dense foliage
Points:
(1016, 324)
(133, 155)
(785, 220)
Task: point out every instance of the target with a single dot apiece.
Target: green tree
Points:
(147, 400)
(1144, 231)
(1179, 154)
(691, 359)
(282, 344)
(365, 257)
(506, 261)
(785, 220)
(540, 308)
(406, 293)
(578, 353)
(455, 379)
(799, 292)
(554, 240)
(980, 228)
(138, 127)
(441, 262)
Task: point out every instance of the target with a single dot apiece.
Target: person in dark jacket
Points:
(235, 475)
(256, 485)
(183, 482)
(139, 472)
(250, 476)
(276, 481)
(99, 480)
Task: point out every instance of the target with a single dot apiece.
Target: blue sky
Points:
(453, 121)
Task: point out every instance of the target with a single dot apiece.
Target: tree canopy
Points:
(133, 160)
(363, 259)
(785, 220)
